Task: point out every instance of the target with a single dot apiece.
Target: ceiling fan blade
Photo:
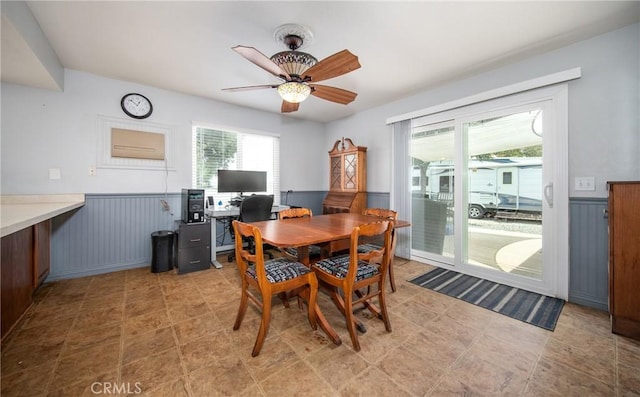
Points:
(250, 87)
(335, 65)
(288, 107)
(333, 94)
(261, 60)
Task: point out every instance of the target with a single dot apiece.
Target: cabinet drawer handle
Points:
(195, 240)
(193, 262)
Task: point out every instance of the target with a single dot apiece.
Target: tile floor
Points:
(138, 333)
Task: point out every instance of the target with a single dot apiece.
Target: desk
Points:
(232, 212)
(332, 231)
(26, 249)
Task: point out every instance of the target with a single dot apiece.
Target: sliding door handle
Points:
(548, 194)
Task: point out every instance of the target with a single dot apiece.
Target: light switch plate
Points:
(585, 183)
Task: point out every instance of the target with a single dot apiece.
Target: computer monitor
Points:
(238, 181)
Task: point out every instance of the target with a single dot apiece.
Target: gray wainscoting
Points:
(588, 252)
(378, 200)
(111, 232)
(308, 199)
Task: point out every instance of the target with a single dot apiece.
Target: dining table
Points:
(332, 232)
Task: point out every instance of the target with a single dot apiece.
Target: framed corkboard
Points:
(137, 144)
(134, 144)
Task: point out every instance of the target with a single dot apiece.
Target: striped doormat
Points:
(530, 307)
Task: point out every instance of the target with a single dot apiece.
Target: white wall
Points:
(44, 129)
(604, 110)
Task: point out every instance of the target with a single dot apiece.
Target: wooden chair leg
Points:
(383, 309)
(244, 301)
(264, 324)
(342, 306)
(351, 324)
(284, 298)
(368, 304)
(392, 278)
(311, 304)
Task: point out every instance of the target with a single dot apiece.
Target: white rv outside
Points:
(502, 184)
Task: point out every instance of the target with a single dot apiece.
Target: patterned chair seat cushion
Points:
(338, 266)
(280, 269)
(366, 248)
(314, 251)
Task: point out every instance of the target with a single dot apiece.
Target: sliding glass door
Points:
(482, 181)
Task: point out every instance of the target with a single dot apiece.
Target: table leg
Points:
(303, 257)
(322, 320)
(214, 242)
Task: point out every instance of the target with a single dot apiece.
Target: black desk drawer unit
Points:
(193, 246)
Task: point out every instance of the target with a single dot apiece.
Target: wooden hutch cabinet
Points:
(347, 178)
(624, 258)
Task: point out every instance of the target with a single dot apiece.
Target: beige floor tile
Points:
(19, 356)
(443, 349)
(196, 327)
(142, 306)
(337, 364)
(559, 379)
(99, 385)
(30, 382)
(94, 302)
(373, 382)
(146, 322)
(232, 378)
(85, 366)
(304, 340)
(143, 345)
(587, 361)
(275, 354)
(171, 335)
(629, 378)
(153, 370)
(103, 316)
(85, 338)
(418, 373)
(201, 352)
(416, 312)
(151, 292)
(482, 377)
(298, 379)
(174, 388)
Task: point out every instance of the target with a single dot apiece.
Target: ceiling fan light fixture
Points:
(294, 62)
(294, 92)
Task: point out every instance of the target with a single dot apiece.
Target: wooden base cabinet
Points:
(24, 266)
(624, 258)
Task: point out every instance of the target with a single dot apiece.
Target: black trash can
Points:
(162, 251)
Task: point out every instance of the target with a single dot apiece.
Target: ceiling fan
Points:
(299, 70)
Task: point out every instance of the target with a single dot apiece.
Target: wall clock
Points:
(136, 105)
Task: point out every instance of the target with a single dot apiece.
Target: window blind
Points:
(214, 149)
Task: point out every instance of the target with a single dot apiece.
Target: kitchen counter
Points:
(18, 212)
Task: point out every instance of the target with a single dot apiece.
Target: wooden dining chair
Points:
(269, 278)
(314, 251)
(383, 213)
(352, 272)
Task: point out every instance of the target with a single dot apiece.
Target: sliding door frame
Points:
(555, 99)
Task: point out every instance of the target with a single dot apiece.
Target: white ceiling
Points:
(403, 47)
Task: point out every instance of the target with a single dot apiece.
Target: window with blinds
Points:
(215, 149)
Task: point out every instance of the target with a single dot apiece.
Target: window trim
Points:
(244, 131)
